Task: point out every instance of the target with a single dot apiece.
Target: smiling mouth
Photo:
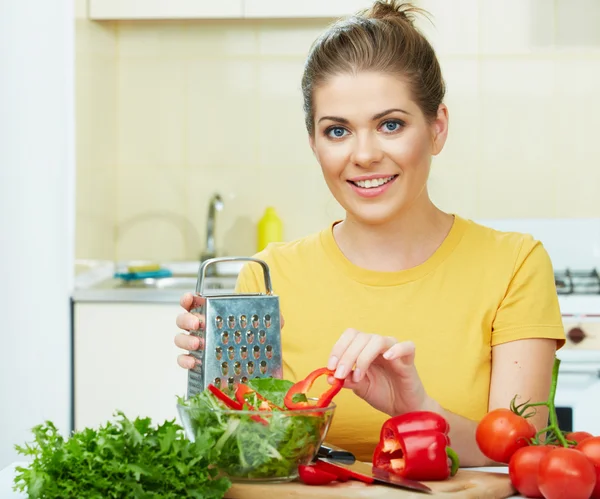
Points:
(371, 184)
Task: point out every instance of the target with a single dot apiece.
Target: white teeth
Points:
(368, 184)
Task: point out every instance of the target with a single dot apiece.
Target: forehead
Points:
(363, 93)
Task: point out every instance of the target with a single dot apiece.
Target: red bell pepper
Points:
(312, 475)
(416, 446)
(234, 404)
(303, 386)
(242, 390)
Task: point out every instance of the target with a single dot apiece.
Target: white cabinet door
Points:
(164, 9)
(125, 359)
(302, 9)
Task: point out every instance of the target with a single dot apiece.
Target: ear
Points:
(439, 129)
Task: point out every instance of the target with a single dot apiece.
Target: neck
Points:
(401, 243)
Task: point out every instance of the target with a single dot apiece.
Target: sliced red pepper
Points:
(416, 446)
(233, 404)
(311, 475)
(302, 387)
(242, 390)
(342, 474)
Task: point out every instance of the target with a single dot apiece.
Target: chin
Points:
(374, 215)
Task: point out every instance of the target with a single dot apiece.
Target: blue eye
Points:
(392, 126)
(336, 132)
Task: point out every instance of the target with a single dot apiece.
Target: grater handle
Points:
(206, 263)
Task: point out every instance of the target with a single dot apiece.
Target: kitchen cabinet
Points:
(125, 359)
(302, 9)
(104, 10)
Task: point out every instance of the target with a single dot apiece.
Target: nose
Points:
(366, 150)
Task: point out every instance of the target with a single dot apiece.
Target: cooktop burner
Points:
(577, 282)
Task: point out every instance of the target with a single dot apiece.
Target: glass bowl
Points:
(259, 446)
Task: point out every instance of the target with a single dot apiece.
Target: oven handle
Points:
(595, 371)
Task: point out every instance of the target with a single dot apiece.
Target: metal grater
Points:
(242, 335)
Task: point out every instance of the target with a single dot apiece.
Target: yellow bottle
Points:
(270, 229)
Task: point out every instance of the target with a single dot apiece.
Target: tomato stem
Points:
(556, 433)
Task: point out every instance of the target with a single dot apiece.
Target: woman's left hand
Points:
(380, 370)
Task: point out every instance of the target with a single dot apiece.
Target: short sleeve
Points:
(530, 307)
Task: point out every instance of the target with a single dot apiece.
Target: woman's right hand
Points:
(189, 321)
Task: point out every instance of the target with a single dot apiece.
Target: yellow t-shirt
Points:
(480, 288)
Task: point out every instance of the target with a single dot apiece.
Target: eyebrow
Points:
(375, 117)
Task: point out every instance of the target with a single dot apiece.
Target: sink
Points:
(184, 282)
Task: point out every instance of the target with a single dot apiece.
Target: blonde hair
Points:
(382, 38)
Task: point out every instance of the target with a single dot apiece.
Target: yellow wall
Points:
(170, 112)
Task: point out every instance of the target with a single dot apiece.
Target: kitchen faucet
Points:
(215, 204)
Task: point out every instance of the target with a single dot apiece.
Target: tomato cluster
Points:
(568, 467)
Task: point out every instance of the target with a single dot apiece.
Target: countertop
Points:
(95, 282)
(7, 476)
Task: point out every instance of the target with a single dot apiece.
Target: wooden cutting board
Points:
(465, 484)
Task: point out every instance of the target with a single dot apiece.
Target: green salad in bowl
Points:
(264, 429)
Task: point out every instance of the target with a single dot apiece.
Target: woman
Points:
(415, 308)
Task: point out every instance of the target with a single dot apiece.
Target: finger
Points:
(351, 354)
(340, 347)
(373, 349)
(401, 353)
(186, 361)
(190, 322)
(190, 301)
(281, 320)
(188, 342)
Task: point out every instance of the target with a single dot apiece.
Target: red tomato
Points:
(501, 432)
(578, 436)
(566, 472)
(591, 448)
(523, 469)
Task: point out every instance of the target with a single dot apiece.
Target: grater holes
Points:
(249, 336)
(224, 368)
(237, 337)
(267, 321)
(244, 352)
(262, 336)
(237, 368)
(255, 321)
(256, 352)
(230, 383)
(231, 321)
(219, 353)
(243, 321)
(244, 379)
(269, 351)
(225, 338)
(230, 353)
(219, 322)
(250, 368)
(217, 382)
(263, 366)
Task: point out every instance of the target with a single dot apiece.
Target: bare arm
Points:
(521, 367)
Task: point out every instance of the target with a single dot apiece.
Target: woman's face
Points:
(374, 144)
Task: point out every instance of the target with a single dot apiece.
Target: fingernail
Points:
(333, 360)
(357, 375)
(387, 355)
(341, 372)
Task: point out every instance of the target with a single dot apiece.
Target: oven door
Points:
(577, 398)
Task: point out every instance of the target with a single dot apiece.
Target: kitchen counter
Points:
(7, 476)
(95, 282)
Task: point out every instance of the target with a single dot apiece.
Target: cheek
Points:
(412, 153)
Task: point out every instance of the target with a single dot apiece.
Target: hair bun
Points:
(386, 9)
